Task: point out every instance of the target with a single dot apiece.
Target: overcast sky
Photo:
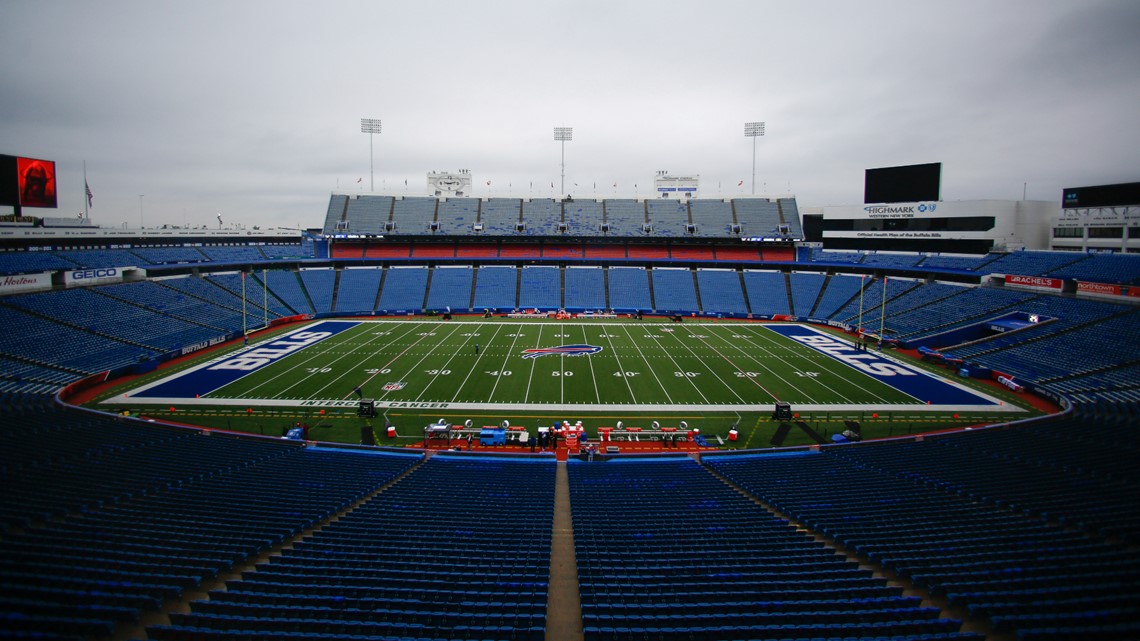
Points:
(252, 109)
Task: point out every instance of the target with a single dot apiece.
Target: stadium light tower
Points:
(753, 130)
(563, 134)
(370, 126)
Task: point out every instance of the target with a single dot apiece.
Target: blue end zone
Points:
(904, 378)
(211, 376)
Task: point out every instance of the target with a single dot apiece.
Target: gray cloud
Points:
(253, 108)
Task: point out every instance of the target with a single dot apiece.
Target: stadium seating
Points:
(501, 216)
(450, 288)
(94, 258)
(540, 288)
(357, 289)
(475, 569)
(757, 216)
(790, 212)
(677, 554)
(585, 289)
(287, 288)
(767, 292)
(28, 262)
(496, 288)
(1102, 268)
(319, 285)
(721, 292)
(543, 216)
(165, 255)
(713, 218)
(367, 214)
(241, 254)
(625, 217)
(583, 217)
(839, 291)
(457, 216)
(674, 291)
(338, 205)
(404, 290)
(669, 218)
(1029, 530)
(255, 295)
(629, 289)
(805, 288)
(1033, 263)
(412, 215)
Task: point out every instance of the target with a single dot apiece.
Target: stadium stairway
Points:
(336, 288)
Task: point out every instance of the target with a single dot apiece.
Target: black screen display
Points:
(1102, 196)
(905, 184)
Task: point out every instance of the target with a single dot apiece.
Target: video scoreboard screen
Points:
(904, 184)
(27, 182)
(1120, 195)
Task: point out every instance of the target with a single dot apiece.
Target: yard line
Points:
(319, 351)
(774, 373)
(518, 330)
(422, 358)
(593, 376)
(471, 371)
(351, 352)
(533, 365)
(682, 369)
(738, 368)
(610, 338)
(711, 369)
(831, 365)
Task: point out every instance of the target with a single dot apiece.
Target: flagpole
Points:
(86, 190)
(862, 285)
(264, 298)
(883, 314)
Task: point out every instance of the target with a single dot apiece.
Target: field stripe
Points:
(737, 367)
(762, 365)
(681, 368)
(609, 337)
(475, 367)
(593, 375)
(422, 358)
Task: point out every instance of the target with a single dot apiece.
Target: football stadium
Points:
(452, 411)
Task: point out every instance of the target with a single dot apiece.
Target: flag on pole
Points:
(360, 179)
(740, 184)
(90, 196)
(488, 183)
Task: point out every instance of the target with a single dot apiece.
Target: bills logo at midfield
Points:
(565, 350)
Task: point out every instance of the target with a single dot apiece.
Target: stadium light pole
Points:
(140, 211)
(370, 126)
(563, 134)
(753, 130)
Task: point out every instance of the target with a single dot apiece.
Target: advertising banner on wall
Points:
(1100, 288)
(99, 276)
(24, 283)
(1035, 282)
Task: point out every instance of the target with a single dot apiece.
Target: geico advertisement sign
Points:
(93, 276)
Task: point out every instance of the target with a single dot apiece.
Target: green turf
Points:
(644, 364)
(725, 373)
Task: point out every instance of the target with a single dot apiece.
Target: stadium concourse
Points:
(112, 527)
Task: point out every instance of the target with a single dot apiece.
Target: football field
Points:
(579, 366)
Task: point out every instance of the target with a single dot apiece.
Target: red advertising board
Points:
(1034, 281)
(1100, 288)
